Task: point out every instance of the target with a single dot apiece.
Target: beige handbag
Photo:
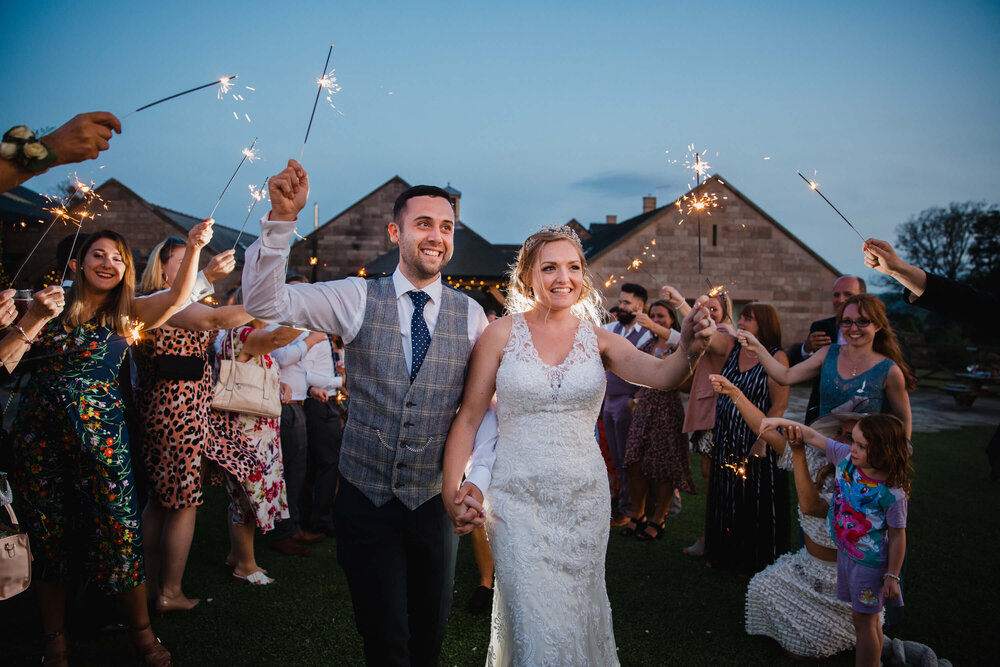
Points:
(15, 556)
(246, 387)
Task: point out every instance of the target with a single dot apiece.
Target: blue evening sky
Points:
(538, 112)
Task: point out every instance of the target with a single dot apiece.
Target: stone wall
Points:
(762, 262)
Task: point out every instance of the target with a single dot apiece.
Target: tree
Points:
(943, 240)
(985, 251)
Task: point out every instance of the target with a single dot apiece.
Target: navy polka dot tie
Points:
(420, 336)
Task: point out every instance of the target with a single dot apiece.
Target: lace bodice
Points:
(548, 507)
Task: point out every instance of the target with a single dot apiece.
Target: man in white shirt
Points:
(408, 340)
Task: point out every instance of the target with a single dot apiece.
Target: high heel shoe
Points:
(152, 654)
(164, 605)
(634, 526)
(59, 656)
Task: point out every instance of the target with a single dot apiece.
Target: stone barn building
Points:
(743, 248)
(143, 224)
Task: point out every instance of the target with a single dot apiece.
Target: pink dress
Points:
(262, 493)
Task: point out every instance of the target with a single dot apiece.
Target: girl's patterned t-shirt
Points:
(862, 510)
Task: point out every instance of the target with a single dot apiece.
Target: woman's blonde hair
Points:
(152, 276)
(520, 295)
(116, 310)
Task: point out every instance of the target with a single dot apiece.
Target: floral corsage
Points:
(22, 148)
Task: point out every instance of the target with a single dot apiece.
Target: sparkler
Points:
(716, 290)
(326, 82)
(60, 211)
(248, 154)
(815, 187)
(255, 196)
(223, 84)
(133, 329)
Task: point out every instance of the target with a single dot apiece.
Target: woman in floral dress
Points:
(71, 447)
(657, 450)
(260, 499)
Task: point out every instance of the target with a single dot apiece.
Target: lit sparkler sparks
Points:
(224, 84)
(255, 196)
(133, 330)
(325, 82)
(815, 187)
(248, 154)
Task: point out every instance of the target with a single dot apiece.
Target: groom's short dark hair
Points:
(417, 191)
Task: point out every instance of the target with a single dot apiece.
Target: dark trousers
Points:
(322, 461)
(400, 567)
(293, 458)
(617, 420)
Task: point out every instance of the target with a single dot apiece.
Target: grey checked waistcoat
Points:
(394, 440)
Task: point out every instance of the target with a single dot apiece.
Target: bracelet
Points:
(22, 148)
(18, 329)
(889, 575)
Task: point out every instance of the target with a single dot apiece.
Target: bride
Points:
(548, 506)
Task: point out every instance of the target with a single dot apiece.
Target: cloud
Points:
(621, 183)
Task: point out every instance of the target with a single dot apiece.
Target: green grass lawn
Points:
(668, 608)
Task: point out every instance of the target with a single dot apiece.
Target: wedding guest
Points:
(616, 411)
(794, 600)
(260, 500)
(324, 432)
(83, 137)
(747, 505)
(699, 419)
(824, 332)
(866, 374)
(71, 451)
(656, 452)
(184, 440)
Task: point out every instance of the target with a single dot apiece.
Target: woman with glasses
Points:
(867, 374)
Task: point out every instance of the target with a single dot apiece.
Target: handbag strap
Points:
(13, 518)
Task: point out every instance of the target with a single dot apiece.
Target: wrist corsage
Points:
(22, 148)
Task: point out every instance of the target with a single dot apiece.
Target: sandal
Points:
(153, 654)
(634, 526)
(56, 657)
(643, 536)
(257, 578)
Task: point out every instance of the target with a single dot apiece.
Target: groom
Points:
(408, 340)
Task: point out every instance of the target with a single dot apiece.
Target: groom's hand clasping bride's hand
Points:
(289, 192)
(466, 511)
(697, 328)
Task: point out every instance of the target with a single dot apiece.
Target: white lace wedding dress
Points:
(548, 507)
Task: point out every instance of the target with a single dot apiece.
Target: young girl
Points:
(867, 518)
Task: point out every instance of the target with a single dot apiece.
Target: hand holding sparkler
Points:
(750, 343)
(722, 385)
(802, 433)
(697, 330)
(220, 266)
(83, 137)
(289, 191)
(200, 235)
(880, 256)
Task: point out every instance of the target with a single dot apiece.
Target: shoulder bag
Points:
(15, 556)
(246, 387)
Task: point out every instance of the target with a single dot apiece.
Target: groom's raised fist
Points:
(289, 192)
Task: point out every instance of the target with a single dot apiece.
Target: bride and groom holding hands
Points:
(435, 394)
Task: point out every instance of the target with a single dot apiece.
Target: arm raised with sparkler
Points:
(778, 371)
(154, 309)
(625, 361)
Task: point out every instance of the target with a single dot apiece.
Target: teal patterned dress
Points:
(72, 463)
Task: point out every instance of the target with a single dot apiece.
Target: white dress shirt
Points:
(320, 371)
(289, 360)
(338, 307)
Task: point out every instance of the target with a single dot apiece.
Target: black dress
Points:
(748, 520)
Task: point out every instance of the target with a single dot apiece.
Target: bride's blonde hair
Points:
(521, 297)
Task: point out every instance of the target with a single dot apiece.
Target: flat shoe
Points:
(257, 578)
(696, 549)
